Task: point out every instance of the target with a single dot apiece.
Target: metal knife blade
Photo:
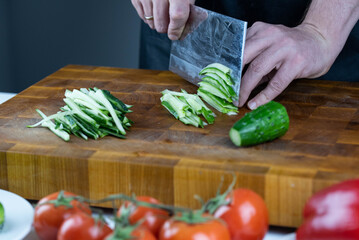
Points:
(209, 37)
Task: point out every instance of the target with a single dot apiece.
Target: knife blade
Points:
(209, 37)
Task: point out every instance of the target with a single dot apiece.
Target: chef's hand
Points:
(280, 54)
(168, 16)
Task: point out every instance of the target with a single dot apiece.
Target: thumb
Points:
(179, 12)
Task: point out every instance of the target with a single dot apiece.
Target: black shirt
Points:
(155, 47)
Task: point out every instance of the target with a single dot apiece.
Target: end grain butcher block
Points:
(166, 159)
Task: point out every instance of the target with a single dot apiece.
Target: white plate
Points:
(18, 216)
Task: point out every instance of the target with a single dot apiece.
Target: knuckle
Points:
(299, 59)
(276, 86)
(274, 29)
(161, 29)
(258, 25)
(178, 14)
(256, 67)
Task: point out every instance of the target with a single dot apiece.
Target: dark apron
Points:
(155, 47)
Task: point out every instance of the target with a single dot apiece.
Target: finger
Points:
(261, 66)
(253, 46)
(139, 9)
(256, 27)
(179, 12)
(148, 12)
(161, 15)
(276, 85)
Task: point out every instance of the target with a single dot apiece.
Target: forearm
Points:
(333, 20)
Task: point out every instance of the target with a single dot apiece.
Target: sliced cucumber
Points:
(216, 102)
(89, 112)
(2, 216)
(225, 77)
(219, 69)
(263, 124)
(223, 85)
(215, 90)
(224, 69)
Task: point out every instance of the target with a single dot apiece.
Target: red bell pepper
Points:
(332, 213)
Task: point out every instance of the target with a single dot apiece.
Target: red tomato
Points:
(153, 218)
(178, 230)
(139, 233)
(246, 216)
(143, 234)
(81, 226)
(48, 217)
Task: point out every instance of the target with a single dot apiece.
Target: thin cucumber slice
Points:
(58, 132)
(228, 88)
(169, 107)
(177, 105)
(209, 87)
(101, 97)
(116, 103)
(224, 69)
(2, 216)
(216, 102)
(54, 116)
(77, 110)
(263, 124)
(227, 78)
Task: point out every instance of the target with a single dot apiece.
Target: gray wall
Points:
(5, 80)
(38, 37)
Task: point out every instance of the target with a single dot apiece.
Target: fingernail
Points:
(252, 105)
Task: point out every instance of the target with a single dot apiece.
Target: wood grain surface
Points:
(166, 159)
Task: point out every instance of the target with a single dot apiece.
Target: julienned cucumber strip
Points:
(263, 124)
(60, 133)
(92, 113)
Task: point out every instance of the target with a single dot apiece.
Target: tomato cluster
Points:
(242, 216)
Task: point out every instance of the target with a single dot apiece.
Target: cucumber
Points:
(220, 67)
(2, 216)
(263, 124)
(224, 85)
(215, 90)
(225, 77)
(218, 103)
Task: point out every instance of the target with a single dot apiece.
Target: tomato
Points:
(48, 217)
(143, 234)
(81, 226)
(139, 233)
(246, 215)
(153, 218)
(212, 229)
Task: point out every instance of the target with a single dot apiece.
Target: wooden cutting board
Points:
(166, 159)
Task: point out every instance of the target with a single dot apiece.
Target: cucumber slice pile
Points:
(88, 113)
(187, 108)
(263, 124)
(2, 216)
(216, 88)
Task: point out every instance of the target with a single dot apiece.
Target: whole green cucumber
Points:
(263, 124)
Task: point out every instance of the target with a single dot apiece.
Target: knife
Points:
(209, 37)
